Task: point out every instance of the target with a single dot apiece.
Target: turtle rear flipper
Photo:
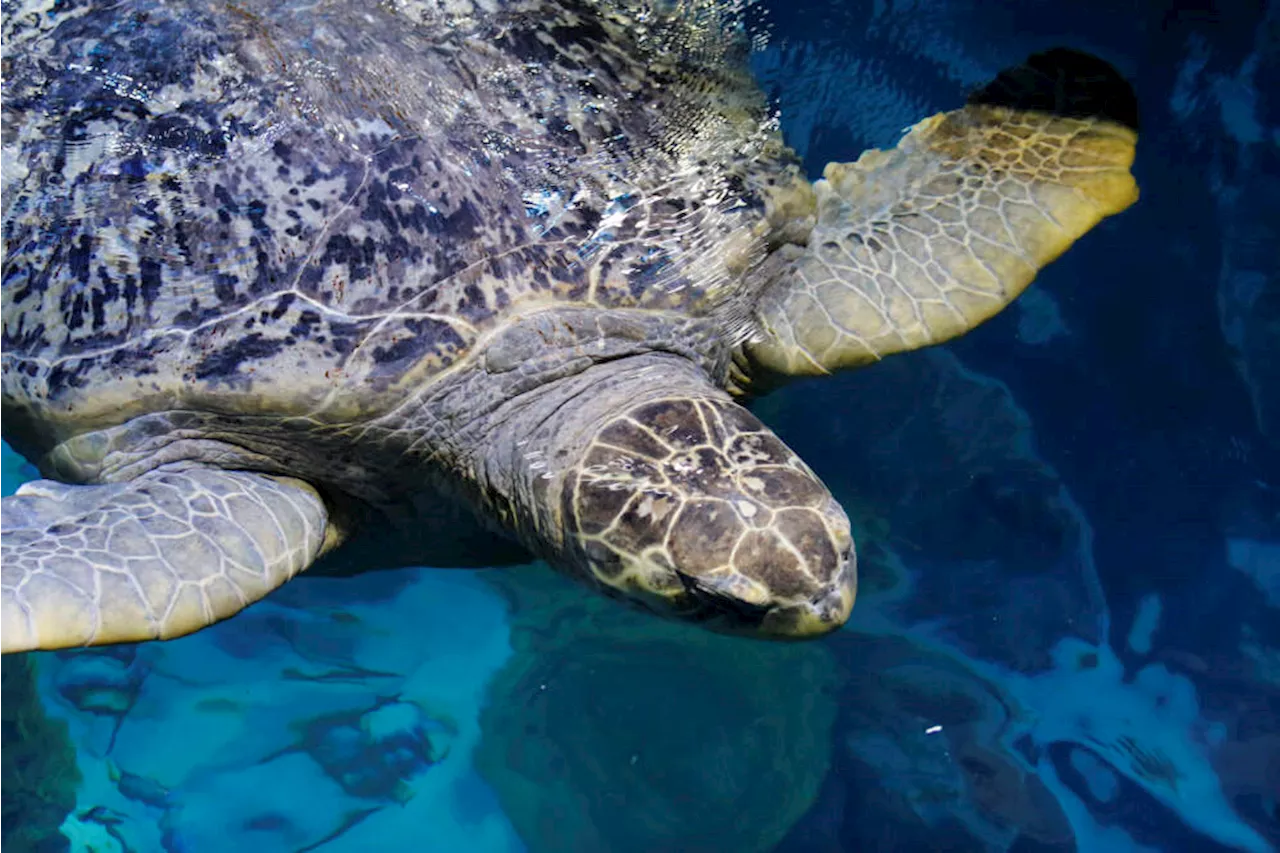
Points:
(157, 557)
(918, 244)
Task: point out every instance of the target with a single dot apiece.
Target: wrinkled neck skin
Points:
(509, 429)
(522, 469)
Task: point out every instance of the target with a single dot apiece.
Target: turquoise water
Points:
(1067, 635)
(229, 732)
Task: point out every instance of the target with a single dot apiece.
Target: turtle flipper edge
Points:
(915, 245)
(153, 558)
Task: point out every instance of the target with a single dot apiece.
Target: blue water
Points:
(1068, 631)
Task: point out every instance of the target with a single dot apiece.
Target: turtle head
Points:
(690, 505)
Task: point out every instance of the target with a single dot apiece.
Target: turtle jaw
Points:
(732, 605)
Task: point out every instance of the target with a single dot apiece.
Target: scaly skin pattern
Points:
(694, 500)
(154, 558)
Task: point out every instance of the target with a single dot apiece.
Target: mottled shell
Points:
(314, 209)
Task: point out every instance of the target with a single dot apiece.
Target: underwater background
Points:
(1067, 635)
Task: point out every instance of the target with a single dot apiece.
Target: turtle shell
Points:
(312, 209)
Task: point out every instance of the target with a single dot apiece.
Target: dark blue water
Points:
(1068, 631)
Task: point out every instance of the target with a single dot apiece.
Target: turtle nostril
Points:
(828, 606)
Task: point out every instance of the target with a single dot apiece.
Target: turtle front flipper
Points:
(918, 244)
(153, 558)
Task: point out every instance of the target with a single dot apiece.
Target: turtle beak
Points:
(820, 615)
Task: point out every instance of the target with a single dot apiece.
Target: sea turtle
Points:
(435, 276)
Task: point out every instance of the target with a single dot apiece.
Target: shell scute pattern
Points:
(309, 211)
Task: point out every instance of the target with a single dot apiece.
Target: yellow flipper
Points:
(153, 558)
(918, 244)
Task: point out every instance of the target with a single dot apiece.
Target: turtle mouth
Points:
(821, 615)
(709, 605)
